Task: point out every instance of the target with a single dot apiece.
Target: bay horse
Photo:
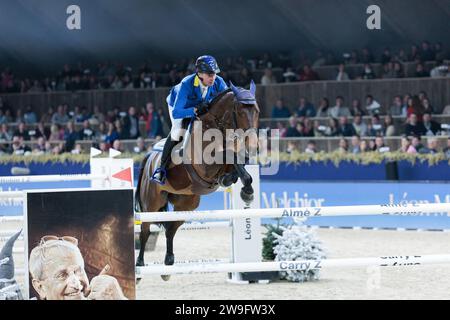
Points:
(235, 108)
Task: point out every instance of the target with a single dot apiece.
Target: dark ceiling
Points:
(34, 34)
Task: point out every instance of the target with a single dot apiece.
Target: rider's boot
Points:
(159, 175)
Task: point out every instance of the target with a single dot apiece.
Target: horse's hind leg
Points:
(143, 238)
(181, 203)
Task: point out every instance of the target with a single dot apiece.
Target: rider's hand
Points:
(201, 109)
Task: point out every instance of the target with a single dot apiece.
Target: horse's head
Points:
(235, 110)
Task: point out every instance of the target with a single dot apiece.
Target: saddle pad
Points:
(159, 146)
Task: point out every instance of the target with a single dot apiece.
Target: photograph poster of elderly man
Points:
(80, 245)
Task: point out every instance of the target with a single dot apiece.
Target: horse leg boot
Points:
(171, 229)
(247, 190)
(159, 175)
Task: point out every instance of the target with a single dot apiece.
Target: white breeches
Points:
(175, 132)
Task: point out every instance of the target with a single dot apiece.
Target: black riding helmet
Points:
(207, 64)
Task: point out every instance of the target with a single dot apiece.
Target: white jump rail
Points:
(52, 178)
(306, 212)
(383, 261)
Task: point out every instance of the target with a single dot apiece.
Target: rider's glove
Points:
(202, 108)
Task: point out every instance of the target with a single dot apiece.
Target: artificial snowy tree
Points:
(298, 243)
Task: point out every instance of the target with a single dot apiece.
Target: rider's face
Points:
(207, 78)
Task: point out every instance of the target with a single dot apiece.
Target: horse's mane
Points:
(218, 97)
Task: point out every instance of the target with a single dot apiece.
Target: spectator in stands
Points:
(56, 133)
(356, 108)
(415, 106)
(396, 108)
(416, 143)
(39, 147)
(308, 128)
(111, 134)
(427, 107)
(359, 125)
(420, 71)
(446, 110)
(117, 145)
(2, 117)
(153, 126)
(356, 144)
(398, 70)
(345, 128)
(368, 72)
(60, 117)
(77, 149)
(371, 145)
(22, 131)
(363, 146)
(386, 56)
(339, 109)
(323, 110)
(305, 108)
(289, 75)
(319, 130)
(268, 77)
(5, 133)
(19, 116)
(97, 116)
(432, 147)
(342, 75)
(333, 128)
(131, 124)
(366, 56)
(375, 128)
(282, 129)
(406, 146)
(401, 56)
(310, 147)
(86, 132)
(279, 110)
(70, 136)
(389, 128)
(343, 146)
(308, 74)
(243, 78)
(18, 147)
(372, 106)
(30, 116)
(379, 145)
(292, 147)
(292, 129)
(414, 127)
(447, 149)
(47, 117)
(388, 71)
(140, 145)
(426, 53)
(432, 128)
(42, 131)
(414, 54)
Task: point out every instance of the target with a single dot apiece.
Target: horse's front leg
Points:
(171, 229)
(247, 192)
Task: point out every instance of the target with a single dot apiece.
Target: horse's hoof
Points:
(165, 277)
(247, 197)
(169, 259)
(140, 262)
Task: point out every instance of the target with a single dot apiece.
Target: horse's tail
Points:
(137, 197)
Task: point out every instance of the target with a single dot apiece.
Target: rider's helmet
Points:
(207, 64)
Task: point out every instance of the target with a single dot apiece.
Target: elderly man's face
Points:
(64, 276)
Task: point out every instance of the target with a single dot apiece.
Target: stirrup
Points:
(163, 176)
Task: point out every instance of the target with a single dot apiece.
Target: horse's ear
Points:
(253, 87)
(234, 89)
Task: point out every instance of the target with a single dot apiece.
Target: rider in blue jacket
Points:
(189, 99)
